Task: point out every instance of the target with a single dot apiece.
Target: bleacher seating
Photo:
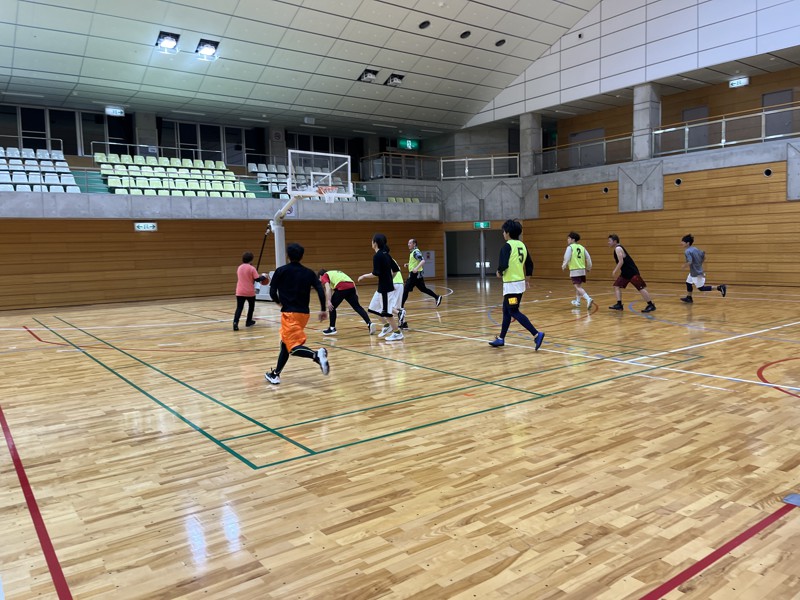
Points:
(28, 170)
(162, 176)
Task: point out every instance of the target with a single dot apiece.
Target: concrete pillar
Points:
(646, 119)
(530, 144)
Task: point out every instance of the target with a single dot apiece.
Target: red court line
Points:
(727, 547)
(59, 581)
(763, 378)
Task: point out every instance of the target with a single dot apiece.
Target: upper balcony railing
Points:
(389, 165)
(747, 127)
(590, 153)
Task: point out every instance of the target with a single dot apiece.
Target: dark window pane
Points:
(9, 129)
(63, 131)
(93, 126)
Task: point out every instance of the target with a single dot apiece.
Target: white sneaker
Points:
(576, 302)
(272, 377)
(589, 302)
(322, 359)
(371, 327)
(396, 336)
(387, 329)
(329, 331)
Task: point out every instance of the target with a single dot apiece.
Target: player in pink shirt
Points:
(246, 276)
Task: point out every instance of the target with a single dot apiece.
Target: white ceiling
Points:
(284, 60)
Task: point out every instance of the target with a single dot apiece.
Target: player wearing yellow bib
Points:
(514, 268)
(339, 288)
(577, 258)
(415, 264)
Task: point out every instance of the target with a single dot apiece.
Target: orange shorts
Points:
(293, 327)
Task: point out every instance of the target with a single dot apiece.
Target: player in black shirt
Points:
(290, 287)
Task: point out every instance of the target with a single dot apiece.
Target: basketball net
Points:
(328, 192)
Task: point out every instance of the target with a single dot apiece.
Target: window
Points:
(33, 128)
(93, 132)
(9, 129)
(187, 140)
(63, 131)
(210, 142)
(234, 148)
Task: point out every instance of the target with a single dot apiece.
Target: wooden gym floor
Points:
(147, 457)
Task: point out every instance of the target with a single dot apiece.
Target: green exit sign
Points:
(405, 144)
(482, 225)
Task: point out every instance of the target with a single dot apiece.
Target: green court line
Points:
(459, 417)
(275, 431)
(186, 385)
(153, 398)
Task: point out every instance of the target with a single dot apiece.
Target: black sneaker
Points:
(649, 308)
(438, 300)
(329, 331)
(404, 325)
(723, 289)
(687, 299)
(236, 327)
(617, 306)
(272, 377)
(249, 323)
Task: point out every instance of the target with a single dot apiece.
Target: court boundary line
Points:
(45, 542)
(714, 556)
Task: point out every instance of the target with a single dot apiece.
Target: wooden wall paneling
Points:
(51, 262)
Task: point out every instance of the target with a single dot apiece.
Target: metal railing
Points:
(753, 127)
(591, 153)
(156, 151)
(32, 141)
(390, 165)
(381, 191)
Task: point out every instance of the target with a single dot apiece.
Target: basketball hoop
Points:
(328, 192)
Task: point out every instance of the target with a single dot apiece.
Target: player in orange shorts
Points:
(291, 288)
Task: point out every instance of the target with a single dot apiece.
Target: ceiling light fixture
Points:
(394, 80)
(364, 132)
(313, 126)
(207, 49)
(23, 94)
(167, 42)
(368, 76)
(253, 120)
(189, 112)
(387, 126)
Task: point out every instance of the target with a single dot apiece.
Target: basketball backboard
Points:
(308, 171)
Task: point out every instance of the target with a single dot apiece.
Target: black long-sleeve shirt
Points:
(505, 254)
(291, 287)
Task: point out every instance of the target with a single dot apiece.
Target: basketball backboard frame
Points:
(308, 171)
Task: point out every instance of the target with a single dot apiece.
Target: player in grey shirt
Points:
(694, 262)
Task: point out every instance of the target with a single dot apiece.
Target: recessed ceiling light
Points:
(382, 125)
(499, 43)
(465, 34)
(167, 42)
(424, 24)
(207, 49)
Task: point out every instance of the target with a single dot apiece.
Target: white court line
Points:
(171, 344)
(622, 361)
(728, 339)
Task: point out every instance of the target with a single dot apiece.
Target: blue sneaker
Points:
(497, 342)
(539, 340)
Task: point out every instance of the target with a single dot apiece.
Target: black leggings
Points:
(415, 280)
(511, 304)
(251, 306)
(351, 297)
